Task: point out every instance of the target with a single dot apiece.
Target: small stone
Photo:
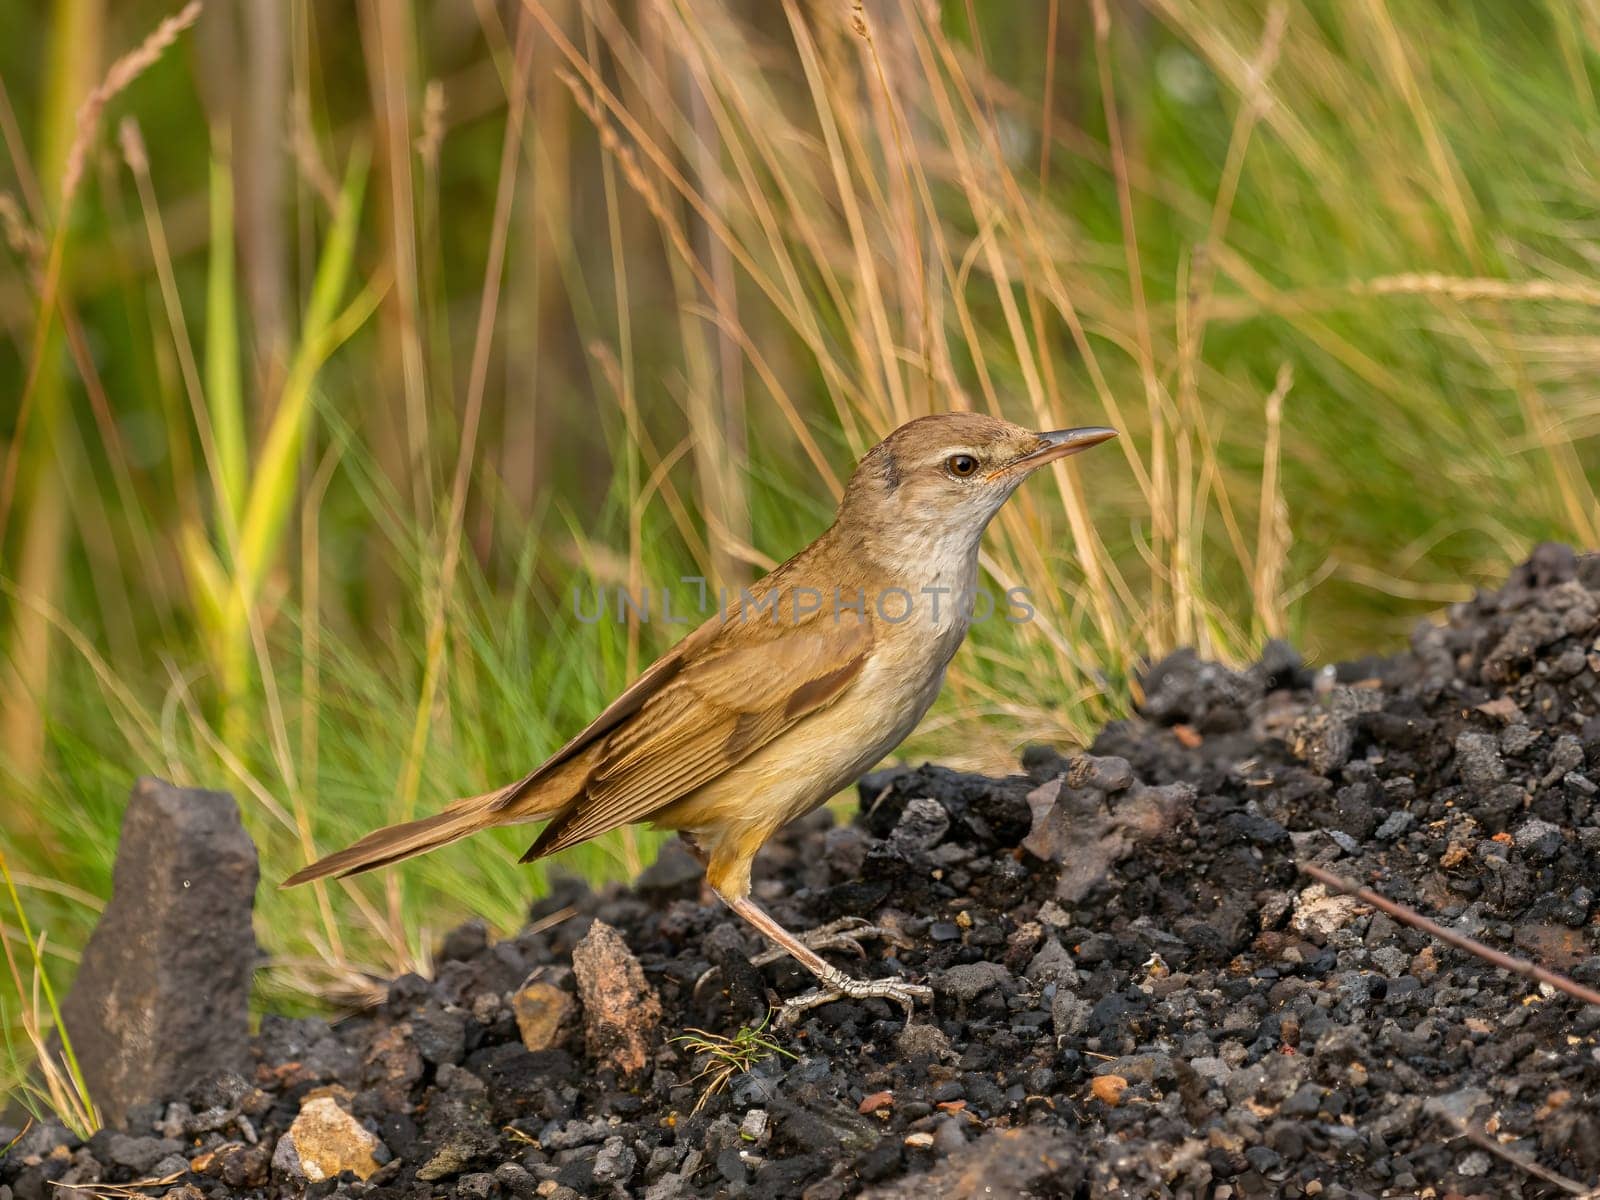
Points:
(541, 1010)
(1109, 774)
(1515, 739)
(1457, 1106)
(615, 1162)
(1394, 825)
(970, 980)
(1474, 1164)
(515, 1180)
(440, 1034)
(1478, 759)
(731, 1166)
(1540, 839)
(754, 1126)
(1108, 1089)
(921, 1040)
(465, 942)
(921, 1140)
(1319, 913)
(922, 826)
(238, 1166)
(325, 1141)
(140, 1154)
(947, 1136)
(875, 1102)
(1052, 964)
(620, 1010)
(1069, 1013)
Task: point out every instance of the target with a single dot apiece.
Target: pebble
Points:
(922, 826)
(966, 983)
(324, 1141)
(541, 1010)
(1394, 826)
(1478, 759)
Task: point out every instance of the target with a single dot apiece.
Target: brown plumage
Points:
(807, 680)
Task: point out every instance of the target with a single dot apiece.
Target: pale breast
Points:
(802, 767)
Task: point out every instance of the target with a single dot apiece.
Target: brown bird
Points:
(771, 706)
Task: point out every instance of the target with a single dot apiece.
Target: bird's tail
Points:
(410, 838)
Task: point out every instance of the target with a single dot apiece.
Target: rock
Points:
(1052, 964)
(237, 1165)
(515, 1180)
(1030, 1161)
(615, 1163)
(967, 982)
(1072, 827)
(1319, 913)
(1394, 825)
(323, 1142)
(1069, 1013)
(1531, 833)
(675, 875)
(541, 1010)
(922, 825)
(459, 1125)
(162, 996)
(139, 1154)
(440, 1035)
(465, 942)
(1478, 759)
(620, 1010)
(918, 1040)
(1103, 774)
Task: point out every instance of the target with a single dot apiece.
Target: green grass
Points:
(306, 476)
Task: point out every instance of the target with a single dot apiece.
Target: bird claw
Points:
(841, 986)
(844, 934)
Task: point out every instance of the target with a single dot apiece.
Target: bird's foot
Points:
(844, 934)
(837, 985)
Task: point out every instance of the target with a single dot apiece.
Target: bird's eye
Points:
(961, 465)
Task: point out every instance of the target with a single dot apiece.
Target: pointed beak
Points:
(1058, 444)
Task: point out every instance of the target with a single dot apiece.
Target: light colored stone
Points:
(324, 1141)
(1319, 913)
(541, 1008)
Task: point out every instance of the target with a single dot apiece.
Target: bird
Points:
(788, 693)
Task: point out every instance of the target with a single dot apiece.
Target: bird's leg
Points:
(835, 983)
(844, 934)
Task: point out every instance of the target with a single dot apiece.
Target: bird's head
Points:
(933, 485)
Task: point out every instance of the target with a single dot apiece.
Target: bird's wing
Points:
(712, 713)
(529, 789)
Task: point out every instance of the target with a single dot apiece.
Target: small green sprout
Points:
(728, 1056)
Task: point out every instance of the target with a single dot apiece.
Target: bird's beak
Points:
(1057, 444)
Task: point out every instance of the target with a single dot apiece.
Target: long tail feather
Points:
(410, 838)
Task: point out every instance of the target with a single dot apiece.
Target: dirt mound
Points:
(1137, 992)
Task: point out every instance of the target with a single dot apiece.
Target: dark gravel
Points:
(1137, 992)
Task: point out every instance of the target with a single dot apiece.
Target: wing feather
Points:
(710, 715)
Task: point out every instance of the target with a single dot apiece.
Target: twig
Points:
(1517, 966)
(1521, 1161)
(551, 921)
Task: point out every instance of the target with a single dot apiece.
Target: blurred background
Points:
(341, 343)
